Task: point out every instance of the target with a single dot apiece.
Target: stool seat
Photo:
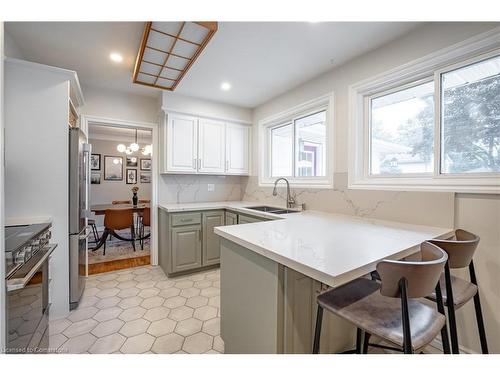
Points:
(463, 291)
(361, 303)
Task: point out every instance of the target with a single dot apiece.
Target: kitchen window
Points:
(431, 125)
(296, 145)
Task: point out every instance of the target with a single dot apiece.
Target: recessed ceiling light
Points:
(225, 86)
(116, 57)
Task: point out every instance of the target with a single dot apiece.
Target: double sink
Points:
(272, 210)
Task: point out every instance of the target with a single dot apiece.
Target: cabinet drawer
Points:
(186, 219)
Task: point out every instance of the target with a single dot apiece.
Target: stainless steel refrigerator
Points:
(79, 171)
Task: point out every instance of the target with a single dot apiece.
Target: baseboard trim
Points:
(438, 345)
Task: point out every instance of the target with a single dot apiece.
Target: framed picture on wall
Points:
(145, 178)
(131, 176)
(145, 164)
(95, 162)
(95, 178)
(113, 168)
(132, 161)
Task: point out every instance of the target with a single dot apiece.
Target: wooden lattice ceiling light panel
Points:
(168, 49)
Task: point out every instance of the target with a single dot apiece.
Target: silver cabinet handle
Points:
(186, 220)
(227, 165)
(199, 163)
(194, 163)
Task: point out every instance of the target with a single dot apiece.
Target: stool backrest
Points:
(118, 219)
(421, 276)
(146, 217)
(461, 249)
(121, 202)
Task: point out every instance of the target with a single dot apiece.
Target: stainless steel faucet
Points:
(290, 202)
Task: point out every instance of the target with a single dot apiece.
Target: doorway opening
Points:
(120, 196)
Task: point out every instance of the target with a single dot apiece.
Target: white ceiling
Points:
(260, 59)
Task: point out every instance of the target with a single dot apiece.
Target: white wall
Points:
(11, 49)
(477, 213)
(36, 161)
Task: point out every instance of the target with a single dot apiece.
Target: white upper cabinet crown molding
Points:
(200, 145)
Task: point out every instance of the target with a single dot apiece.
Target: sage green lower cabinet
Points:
(186, 247)
(231, 218)
(272, 308)
(245, 219)
(211, 242)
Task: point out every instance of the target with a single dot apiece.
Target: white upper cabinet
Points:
(237, 149)
(182, 143)
(197, 145)
(211, 146)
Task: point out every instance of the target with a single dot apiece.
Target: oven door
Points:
(28, 305)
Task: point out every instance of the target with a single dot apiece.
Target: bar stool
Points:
(390, 309)
(117, 220)
(456, 291)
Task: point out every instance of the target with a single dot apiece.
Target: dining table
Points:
(100, 209)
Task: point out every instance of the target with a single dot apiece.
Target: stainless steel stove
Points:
(27, 251)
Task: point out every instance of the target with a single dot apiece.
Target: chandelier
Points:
(134, 147)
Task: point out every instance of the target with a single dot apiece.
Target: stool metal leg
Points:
(451, 310)
(359, 339)
(317, 331)
(479, 314)
(407, 346)
(444, 330)
(366, 342)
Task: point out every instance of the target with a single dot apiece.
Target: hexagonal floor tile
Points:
(151, 302)
(140, 271)
(108, 313)
(190, 292)
(138, 344)
(79, 328)
(82, 314)
(184, 284)
(198, 343)
(106, 276)
(87, 301)
(210, 292)
(132, 313)
(78, 344)
(170, 292)
(164, 284)
(181, 313)
(214, 301)
(55, 341)
(151, 292)
(108, 302)
(174, 302)
(161, 327)
(146, 284)
(57, 326)
(218, 344)
(108, 344)
(129, 292)
(107, 284)
(130, 302)
(213, 276)
(203, 284)
(127, 284)
(143, 277)
(157, 313)
(125, 277)
(107, 328)
(197, 301)
(135, 327)
(205, 313)
(108, 292)
(170, 343)
(212, 327)
(197, 276)
(188, 327)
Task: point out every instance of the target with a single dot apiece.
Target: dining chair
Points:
(391, 309)
(121, 202)
(145, 222)
(115, 220)
(457, 291)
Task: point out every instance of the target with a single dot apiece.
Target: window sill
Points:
(427, 185)
(318, 184)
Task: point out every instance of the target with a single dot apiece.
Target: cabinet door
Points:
(211, 241)
(237, 149)
(231, 218)
(182, 143)
(211, 151)
(186, 247)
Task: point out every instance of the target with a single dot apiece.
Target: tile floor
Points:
(140, 310)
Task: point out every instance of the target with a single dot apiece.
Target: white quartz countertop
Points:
(238, 206)
(331, 248)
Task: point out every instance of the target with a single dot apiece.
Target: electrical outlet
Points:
(211, 187)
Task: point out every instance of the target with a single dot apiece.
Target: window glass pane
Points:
(471, 118)
(402, 131)
(282, 151)
(311, 145)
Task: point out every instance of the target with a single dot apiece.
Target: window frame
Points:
(426, 69)
(323, 103)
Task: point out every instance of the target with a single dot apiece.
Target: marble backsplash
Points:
(424, 208)
(195, 188)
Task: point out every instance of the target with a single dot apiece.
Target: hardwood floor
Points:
(118, 264)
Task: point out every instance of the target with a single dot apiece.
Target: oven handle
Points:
(19, 283)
